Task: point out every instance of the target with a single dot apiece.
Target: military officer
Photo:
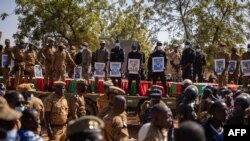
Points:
(222, 79)
(116, 121)
(70, 68)
(48, 54)
(246, 56)
(86, 60)
(59, 62)
(134, 74)
(102, 100)
(155, 74)
(187, 61)
(175, 59)
(6, 69)
(30, 58)
(87, 128)
(113, 91)
(56, 112)
(117, 55)
(199, 62)
(102, 56)
(77, 103)
(18, 57)
(234, 76)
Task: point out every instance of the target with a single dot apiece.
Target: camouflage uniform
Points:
(235, 76)
(77, 106)
(116, 127)
(86, 62)
(175, 59)
(70, 68)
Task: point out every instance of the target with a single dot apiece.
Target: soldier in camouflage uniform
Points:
(234, 77)
(70, 68)
(175, 59)
(77, 103)
(222, 79)
(56, 112)
(86, 60)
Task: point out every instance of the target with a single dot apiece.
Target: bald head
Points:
(190, 131)
(120, 104)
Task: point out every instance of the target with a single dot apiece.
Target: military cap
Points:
(7, 40)
(85, 44)
(82, 81)
(116, 90)
(102, 42)
(85, 124)
(61, 44)
(175, 45)
(108, 83)
(50, 39)
(156, 87)
(59, 83)
(7, 113)
(222, 44)
(25, 87)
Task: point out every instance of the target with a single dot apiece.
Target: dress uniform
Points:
(59, 62)
(18, 57)
(70, 68)
(6, 69)
(134, 54)
(234, 77)
(56, 113)
(77, 103)
(48, 54)
(158, 53)
(187, 61)
(86, 60)
(199, 62)
(102, 100)
(102, 56)
(87, 127)
(246, 56)
(117, 55)
(222, 79)
(175, 60)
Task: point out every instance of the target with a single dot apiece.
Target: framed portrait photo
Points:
(232, 66)
(245, 67)
(158, 64)
(115, 68)
(38, 71)
(99, 70)
(133, 66)
(219, 66)
(4, 60)
(77, 72)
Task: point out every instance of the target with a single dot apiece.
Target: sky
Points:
(9, 26)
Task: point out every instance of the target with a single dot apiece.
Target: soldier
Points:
(32, 102)
(234, 76)
(116, 121)
(86, 60)
(222, 79)
(158, 53)
(77, 103)
(102, 100)
(175, 59)
(6, 69)
(134, 54)
(87, 128)
(48, 54)
(30, 59)
(113, 91)
(157, 129)
(205, 104)
(187, 61)
(18, 57)
(187, 109)
(117, 55)
(59, 62)
(142, 71)
(102, 56)
(56, 112)
(70, 68)
(246, 56)
(1, 54)
(199, 62)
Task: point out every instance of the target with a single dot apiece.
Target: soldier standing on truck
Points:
(6, 69)
(56, 112)
(77, 107)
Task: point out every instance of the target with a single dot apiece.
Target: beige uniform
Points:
(77, 106)
(105, 111)
(6, 69)
(58, 108)
(222, 79)
(18, 56)
(102, 101)
(116, 127)
(86, 63)
(30, 59)
(176, 72)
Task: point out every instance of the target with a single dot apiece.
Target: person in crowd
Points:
(181, 96)
(234, 76)
(199, 62)
(87, 128)
(157, 129)
(102, 100)
(116, 121)
(30, 122)
(187, 61)
(16, 100)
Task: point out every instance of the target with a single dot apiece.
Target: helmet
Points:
(242, 101)
(155, 94)
(191, 92)
(186, 83)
